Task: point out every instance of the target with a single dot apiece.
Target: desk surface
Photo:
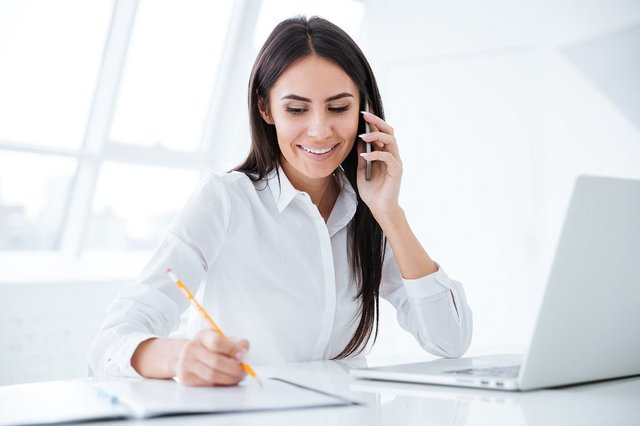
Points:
(610, 402)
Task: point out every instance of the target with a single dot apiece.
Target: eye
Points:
(339, 110)
(295, 111)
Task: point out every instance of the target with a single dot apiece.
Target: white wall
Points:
(46, 328)
(497, 106)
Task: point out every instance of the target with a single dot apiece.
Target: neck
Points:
(323, 191)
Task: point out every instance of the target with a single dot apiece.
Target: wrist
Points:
(390, 218)
(177, 345)
(157, 358)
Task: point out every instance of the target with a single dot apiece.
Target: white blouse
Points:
(269, 269)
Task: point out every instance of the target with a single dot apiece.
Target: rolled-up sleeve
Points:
(152, 306)
(433, 309)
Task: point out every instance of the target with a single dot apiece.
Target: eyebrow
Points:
(329, 99)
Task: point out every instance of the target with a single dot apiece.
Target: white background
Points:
(497, 106)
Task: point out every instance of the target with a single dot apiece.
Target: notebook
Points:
(589, 321)
(83, 400)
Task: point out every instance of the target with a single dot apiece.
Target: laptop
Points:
(588, 326)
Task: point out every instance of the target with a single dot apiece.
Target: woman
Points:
(290, 249)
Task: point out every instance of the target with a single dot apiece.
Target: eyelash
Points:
(298, 111)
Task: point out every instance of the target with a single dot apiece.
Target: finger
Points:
(378, 122)
(381, 140)
(192, 379)
(221, 363)
(242, 344)
(394, 167)
(385, 142)
(199, 374)
(242, 349)
(216, 343)
(211, 376)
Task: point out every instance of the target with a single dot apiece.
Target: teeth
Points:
(316, 151)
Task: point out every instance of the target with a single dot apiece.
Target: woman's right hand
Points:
(210, 359)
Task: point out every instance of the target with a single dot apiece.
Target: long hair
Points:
(291, 40)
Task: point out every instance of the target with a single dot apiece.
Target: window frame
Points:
(97, 148)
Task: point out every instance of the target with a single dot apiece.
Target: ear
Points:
(264, 111)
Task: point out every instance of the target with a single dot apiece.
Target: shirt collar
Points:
(284, 192)
(281, 188)
(345, 207)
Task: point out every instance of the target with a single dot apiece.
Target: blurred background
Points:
(112, 110)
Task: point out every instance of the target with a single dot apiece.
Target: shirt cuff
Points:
(433, 284)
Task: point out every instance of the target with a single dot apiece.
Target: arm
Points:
(413, 260)
(207, 359)
(157, 358)
(381, 195)
(132, 340)
(432, 308)
(149, 308)
(429, 304)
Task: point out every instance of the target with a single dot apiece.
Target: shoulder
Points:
(229, 183)
(215, 200)
(233, 188)
(212, 180)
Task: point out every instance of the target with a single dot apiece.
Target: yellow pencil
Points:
(206, 316)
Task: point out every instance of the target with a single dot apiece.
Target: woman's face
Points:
(314, 106)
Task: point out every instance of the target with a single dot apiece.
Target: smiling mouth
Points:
(317, 151)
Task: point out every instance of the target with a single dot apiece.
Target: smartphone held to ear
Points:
(368, 146)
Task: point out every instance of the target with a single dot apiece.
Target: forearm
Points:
(412, 259)
(157, 358)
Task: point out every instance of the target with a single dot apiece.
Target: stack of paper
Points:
(56, 402)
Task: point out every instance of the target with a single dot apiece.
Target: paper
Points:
(55, 402)
(77, 400)
(149, 398)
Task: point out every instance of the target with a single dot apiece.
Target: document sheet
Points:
(77, 400)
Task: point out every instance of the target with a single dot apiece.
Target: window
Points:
(102, 102)
(107, 118)
(134, 205)
(33, 190)
(50, 54)
(169, 73)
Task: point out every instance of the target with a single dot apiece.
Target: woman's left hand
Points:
(382, 191)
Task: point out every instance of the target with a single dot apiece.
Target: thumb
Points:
(243, 343)
(241, 349)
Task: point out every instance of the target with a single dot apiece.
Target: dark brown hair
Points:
(291, 40)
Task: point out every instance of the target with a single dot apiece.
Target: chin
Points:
(317, 173)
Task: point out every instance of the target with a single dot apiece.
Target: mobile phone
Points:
(368, 146)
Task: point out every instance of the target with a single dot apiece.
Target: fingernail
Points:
(366, 112)
(241, 355)
(364, 135)
(365, 154)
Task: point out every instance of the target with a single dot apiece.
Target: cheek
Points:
(349, 127)
(286, 131)
(349, 132)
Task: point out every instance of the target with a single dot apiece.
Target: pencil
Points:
(206, 316)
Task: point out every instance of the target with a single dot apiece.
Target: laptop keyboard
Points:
(507, 371)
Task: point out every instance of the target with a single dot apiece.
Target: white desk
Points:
(607, 403)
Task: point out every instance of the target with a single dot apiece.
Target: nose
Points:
(319, 126)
